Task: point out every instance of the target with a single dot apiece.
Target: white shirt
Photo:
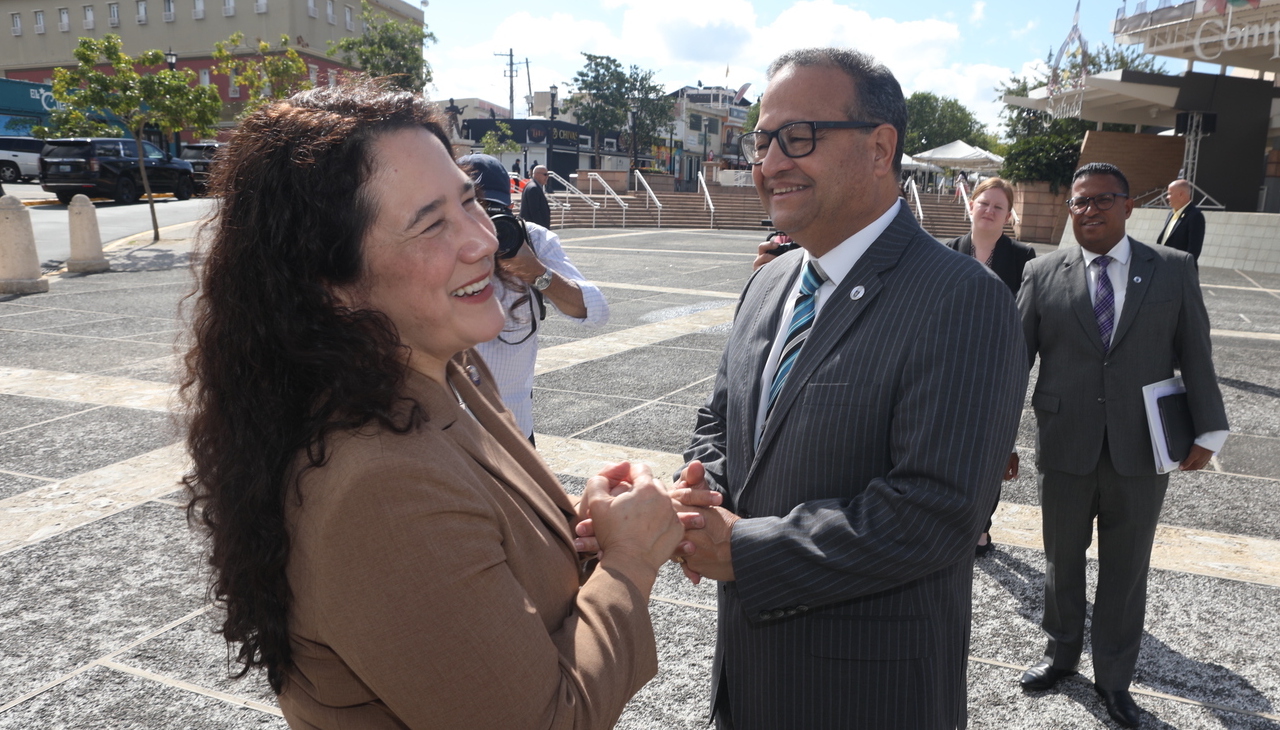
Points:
(512, 365)
(836, 264)
(1118, 272)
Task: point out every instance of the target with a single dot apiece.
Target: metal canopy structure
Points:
(961, 156)
(1241, 33)
(1118, 97)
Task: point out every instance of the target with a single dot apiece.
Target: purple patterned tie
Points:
(1104, 304)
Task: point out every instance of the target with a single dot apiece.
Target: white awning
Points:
(961, 156)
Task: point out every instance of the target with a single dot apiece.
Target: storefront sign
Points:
(1216, 35)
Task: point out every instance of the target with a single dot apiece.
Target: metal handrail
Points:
(651, 196)
(962, 192)
(569, 188)
(595, 177)
(706, 196)
(914, 191)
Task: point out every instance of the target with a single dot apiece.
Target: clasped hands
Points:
(704, 549)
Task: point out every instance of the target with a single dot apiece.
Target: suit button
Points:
(802, 608)
(764, 615)
(1102, 400)
(744, 514)
(791, 612)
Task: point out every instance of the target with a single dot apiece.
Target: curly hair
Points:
(277, 362)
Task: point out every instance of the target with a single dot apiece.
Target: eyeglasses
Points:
(796, 139)
(1099, 202)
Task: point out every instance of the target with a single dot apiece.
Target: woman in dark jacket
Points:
(990, 208)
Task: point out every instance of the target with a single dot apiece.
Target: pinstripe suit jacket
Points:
(861, 506)
(1083, 393)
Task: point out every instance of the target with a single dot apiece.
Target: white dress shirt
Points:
(836, 264)
(1118, 272)
(512, 364)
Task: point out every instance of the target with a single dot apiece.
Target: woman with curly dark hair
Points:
(386, 543)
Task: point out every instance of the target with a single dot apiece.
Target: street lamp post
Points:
(551, 131)
(171, 58)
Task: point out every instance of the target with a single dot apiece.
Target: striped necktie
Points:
(801, 322)
(1104, 304)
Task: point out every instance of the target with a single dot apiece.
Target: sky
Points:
(957, 48)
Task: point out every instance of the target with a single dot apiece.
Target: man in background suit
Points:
(1107, 318)
(1184, 228)
(855, 453)
(533, 201)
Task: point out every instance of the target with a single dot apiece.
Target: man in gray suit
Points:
(1107, 318)
(861, 419)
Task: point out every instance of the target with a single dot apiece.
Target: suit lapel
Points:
(766, 319)
(1160, 239)
(1142, 266)
(1076, 272)
(838, 315)
(497, 447)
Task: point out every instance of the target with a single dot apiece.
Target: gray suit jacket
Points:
(1083, 393)
(873, 477)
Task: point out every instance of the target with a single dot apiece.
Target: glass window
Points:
(168, 7)
(128, 148)
(228, 7)
(204, 77)
(16, 20)
(142, 11)
(64, 20)
(328, 6)
(153, 152)
(113, 12)
(314, 72)
(695, 122)
(713, 125)
(39, 16)
(106, 149)
(88, 17)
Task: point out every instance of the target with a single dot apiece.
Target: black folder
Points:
(1175, 416)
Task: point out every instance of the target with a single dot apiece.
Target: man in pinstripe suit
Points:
(854, 469)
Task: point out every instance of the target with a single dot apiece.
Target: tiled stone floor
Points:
(104, 618)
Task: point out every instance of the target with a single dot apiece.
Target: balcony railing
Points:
(16, 31)
(312, 12)
(168, 16)
(142, 20)
(38, 28)
(228, 11)
(260, 8)
(351, 25)
(197, 14)
(333, 19)
(88, 24)
(113, 22)
(64, 25)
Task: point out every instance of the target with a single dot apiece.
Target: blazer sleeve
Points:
(1194, 349)
(954, 417)
(1195, 233)
(420, 602)
(1028, 312)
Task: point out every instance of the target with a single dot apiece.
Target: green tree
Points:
(168, 99)
(753, 117)
(1050, 158)
(600, 99)
(651, 112)
(269, 75)
(933, 121)
(70, 122)
(387, 47)
(497, 141)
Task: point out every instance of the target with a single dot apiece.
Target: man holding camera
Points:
(533, 269)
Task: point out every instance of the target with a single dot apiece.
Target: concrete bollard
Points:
(86, 241)
(19, 263)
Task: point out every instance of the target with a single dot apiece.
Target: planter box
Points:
(617, 180)
(660, 182)
(1042, 215)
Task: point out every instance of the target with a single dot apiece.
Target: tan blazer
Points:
(435, 583)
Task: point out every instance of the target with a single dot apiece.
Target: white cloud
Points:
(1019, 32)
(973, 85)
(979, 10)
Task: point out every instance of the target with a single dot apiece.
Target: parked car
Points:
(106, 167)
(19, 158)
(200, 155)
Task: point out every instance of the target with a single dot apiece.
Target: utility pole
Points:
(510, 73)
(529, 77)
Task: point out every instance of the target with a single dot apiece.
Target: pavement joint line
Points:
(90, 409)
(613, 343)
(667, 289)
(90, 665)
(84, 337)
(646, 232)
(1021, 668)
(189, 687)
(683, 252)
(1080, 678)
(1258, 288)
(107, 390)
(1272, 336)
(52, 509)
(1255, 283)
(638, 406)
(29, 476)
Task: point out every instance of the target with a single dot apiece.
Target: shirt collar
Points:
(1177, 212)
(1118, 253)
(839, 261)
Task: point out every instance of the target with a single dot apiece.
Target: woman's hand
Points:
(633, 520)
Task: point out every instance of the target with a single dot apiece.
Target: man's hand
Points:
(765, 251)
(1197, 459)
(524, 265)
(711, 556)
(626, 473)
(691, 491)
(1011, 470)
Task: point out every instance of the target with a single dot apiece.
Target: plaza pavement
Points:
(104, 617)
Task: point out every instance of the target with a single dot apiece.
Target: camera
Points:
(511, 231)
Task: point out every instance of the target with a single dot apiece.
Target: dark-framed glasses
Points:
(796, 139)
(1099, 202)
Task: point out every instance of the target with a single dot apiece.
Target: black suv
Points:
(108, 167)
(200, 155)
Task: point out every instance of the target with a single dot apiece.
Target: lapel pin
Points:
(473, 374)
(1137, 279)
(856, 293)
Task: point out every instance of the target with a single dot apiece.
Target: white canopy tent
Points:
(961, 156)
(912, 165)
